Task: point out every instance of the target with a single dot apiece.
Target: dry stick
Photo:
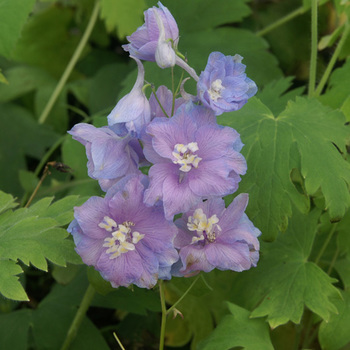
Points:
(57, 165)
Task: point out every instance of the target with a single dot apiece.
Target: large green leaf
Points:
(306, 136)
(125, 15)
(13, 15)
(338, 87)
(47, 40)
(20, 136)
(238, 329)
(197, 15)
(289, 281)
(32, 235)
(333, 335)
(14, 328)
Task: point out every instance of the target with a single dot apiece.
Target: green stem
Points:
(71, 64)
(334, 259)
(281, 21)
(333, 60)
(183, 295)
(325, 244)
(313, 59)
(173, 90)
(79, 316)
(160, 105)
(164, 315)
(118, 341)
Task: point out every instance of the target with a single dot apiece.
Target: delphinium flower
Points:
(223, 86)
(133, 109)
(127, 242)
(211, 236)
(193, 158)
(112, 153)
(144, 42)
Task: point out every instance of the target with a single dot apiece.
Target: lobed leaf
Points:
(289, 280)
(334, 334)
(307, 136)
(13, 15)
(238, 329)
(123, 15)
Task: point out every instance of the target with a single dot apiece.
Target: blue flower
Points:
(193, 158)
(144, 42)
(133, 110)
(112, 153)
(223, 86)
(211, 236)
(127, 242)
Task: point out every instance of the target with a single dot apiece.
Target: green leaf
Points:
(303, 136)
(275, 96)
(288, 280)
(3, 79)
(6, 202)
(13, 15)
(198, 308)
(28, 180)
(10, 287)
(20, 135)
(22, 80)
(329, 40)
(238, 329)
(338, 87)
(335, 333)
(32, 235)
(14, 329)
(197, 15)
(125, 15)
(47, 40)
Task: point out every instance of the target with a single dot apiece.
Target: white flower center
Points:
(123, 239)
(215, 89)
(205, 227)
(184, 155)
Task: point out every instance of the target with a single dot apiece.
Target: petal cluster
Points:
(129, 235)
(127, 242)
(211, 236)
(193, 158)
(223, 86)
(144, 42)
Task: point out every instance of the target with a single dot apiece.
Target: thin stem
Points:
(313, 59)
(281, 21)
(333, 60)
(160, 105)
(308, 322)
(71, 64)
(164, 315)
(46, 172)
(84, 305)
(183, 295)
(173, 90)
(325, 244)
(334, 259)
(118, 341)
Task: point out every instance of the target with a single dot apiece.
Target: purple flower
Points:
(133, 109)
(111, 155)
(223, 86)
(144, 42)
(127, 242)
(211, 236)
(194, 158)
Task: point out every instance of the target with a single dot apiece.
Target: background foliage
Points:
(298, 176)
